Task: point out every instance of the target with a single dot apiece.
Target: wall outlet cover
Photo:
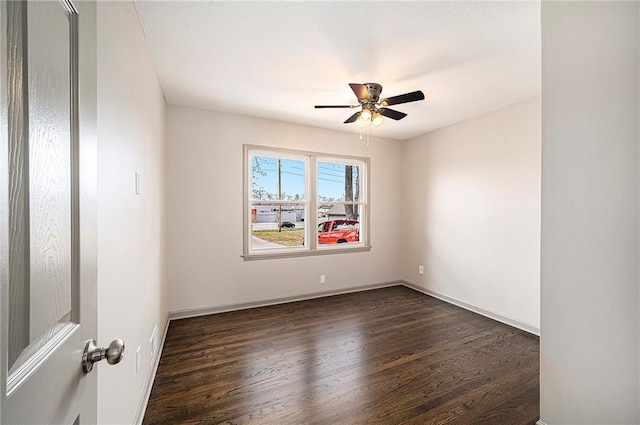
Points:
(153, 344)
(138, 359)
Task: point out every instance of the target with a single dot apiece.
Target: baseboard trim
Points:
(183, 314)
(540, 423)
(490, 314)
(144, 400)
(195, 312)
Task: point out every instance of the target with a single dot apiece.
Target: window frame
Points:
(311, 159)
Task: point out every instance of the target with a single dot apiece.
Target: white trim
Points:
(490, 314)
(194, 312)
(540, 423)
(310, 201)
(144, 399)
(338, 249)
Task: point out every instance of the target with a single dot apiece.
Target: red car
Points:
(339, 231)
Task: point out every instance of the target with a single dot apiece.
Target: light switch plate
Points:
(137, 183)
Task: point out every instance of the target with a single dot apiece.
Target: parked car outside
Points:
(339, 231)
(288, 225)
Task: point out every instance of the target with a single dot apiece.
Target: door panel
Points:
(50, 187)
(40, 171)
(48, 169)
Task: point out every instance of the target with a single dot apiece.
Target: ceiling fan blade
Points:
(361, 91)
(352, 118)
(393, 114)
(403, 98)
(335, 106)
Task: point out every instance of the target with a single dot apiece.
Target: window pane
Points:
(277, 178)
(338, 224)
(338, 182)
(277, 226)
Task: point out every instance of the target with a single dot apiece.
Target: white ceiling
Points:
(277, 60)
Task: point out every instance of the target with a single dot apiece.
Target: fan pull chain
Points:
(360, 131)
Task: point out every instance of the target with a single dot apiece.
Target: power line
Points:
(284, 172)
(329, 180)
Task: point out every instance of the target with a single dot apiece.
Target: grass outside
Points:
(288, 237)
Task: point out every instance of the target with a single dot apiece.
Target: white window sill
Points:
(305, 253)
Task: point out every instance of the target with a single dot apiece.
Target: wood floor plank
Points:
(385, 356)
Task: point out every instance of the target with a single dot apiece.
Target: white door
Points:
(47, 210)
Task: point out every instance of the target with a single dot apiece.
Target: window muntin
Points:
(289, 194)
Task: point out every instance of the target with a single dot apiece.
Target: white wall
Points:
(205, 209)
(471, 212)
(131, 228)
(590, 219)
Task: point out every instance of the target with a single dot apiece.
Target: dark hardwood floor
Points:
(385, 356)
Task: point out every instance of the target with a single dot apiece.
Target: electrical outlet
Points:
(421, 269)
(138, 359)
(323, 279)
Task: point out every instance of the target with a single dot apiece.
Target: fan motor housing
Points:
(374, 90)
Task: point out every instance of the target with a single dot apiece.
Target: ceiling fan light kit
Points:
(373, 109)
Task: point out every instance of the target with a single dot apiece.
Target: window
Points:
(290, 193)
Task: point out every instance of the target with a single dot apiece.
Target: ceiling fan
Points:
(372, 107)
